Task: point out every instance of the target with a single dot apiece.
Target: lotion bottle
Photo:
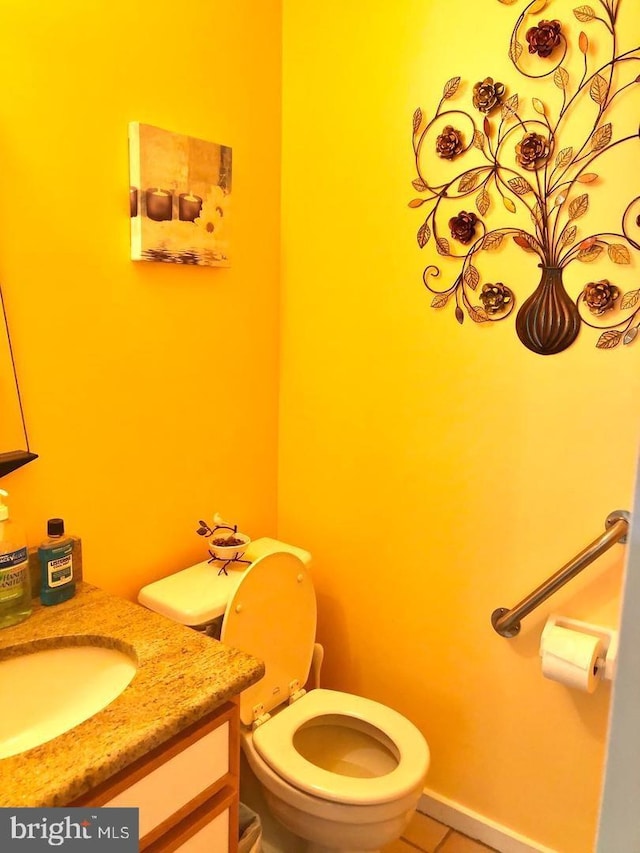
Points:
(55, 553)
(15, 581)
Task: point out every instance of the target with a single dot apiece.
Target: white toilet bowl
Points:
(342, 772)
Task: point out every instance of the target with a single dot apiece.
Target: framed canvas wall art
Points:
(180, 198)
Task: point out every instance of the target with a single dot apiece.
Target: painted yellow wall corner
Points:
(150, 390)
(437, 472)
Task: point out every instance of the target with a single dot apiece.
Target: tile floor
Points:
(427, 835)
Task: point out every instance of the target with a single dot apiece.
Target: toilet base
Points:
(323, 835)
(276, 837)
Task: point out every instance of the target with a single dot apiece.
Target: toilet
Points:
(340, 771)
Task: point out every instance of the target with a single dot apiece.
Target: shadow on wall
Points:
(332, 624)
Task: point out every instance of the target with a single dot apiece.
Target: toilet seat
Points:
(273, 741)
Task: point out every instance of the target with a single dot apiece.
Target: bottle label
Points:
(60, 567)
(13, 572)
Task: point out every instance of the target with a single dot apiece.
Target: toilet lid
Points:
(274, 743)
(272, 616)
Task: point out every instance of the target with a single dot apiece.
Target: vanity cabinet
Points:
(186, 790)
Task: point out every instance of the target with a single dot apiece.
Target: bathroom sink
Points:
(48, 691)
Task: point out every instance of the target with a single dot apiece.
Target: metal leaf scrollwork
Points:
(520, 186)
(609, 340)
(483, 202)
(568, 236)
(471, 277)
(451, 87)
(561, 78)
(630, 299)
(584, 13)
(516, 163)
(564, 157)
(583, 43)
(492, 241)
(589, 255)
(619, 253)
(579, 206)
(602, 137)
(443, 246)
(424, 233)
(525, 241)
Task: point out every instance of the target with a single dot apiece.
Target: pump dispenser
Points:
(15, 582)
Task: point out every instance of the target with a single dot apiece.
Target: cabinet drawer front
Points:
(212, 838)
(176, 782)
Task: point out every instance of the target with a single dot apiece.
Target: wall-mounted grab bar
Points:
(507, 622)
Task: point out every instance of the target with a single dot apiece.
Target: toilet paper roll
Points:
(570, 657)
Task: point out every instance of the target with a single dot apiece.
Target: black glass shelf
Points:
(15, 459)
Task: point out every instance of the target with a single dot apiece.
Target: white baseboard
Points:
(476, 826)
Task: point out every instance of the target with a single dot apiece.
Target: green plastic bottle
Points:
(15, 581)
(57, 583)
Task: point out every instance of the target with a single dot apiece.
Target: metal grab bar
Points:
(507, 622)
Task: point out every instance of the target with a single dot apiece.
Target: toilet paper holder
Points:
(609, 637)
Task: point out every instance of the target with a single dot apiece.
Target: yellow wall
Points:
(150, 390)
(435, 471)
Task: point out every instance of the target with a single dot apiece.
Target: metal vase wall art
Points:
(542, 165)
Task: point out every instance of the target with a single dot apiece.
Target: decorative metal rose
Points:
(449, 143)
(531, 150)
(463, 226)
(495, 297)
(487, 94)
(544, 38)
(600, 296)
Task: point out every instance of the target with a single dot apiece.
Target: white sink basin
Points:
(47, 692)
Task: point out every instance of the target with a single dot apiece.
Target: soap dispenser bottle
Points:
(55, 553)
(15, 581)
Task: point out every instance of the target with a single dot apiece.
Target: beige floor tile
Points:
(399, 847)
(425, 832)
(457, 843)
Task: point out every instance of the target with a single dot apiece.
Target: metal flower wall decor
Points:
(517, 157)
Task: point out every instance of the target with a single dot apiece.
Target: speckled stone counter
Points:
(181, 676)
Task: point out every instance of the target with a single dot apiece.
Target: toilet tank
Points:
(198, 595)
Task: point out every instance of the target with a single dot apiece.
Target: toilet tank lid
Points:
(197, 595)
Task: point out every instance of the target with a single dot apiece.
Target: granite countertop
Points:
(182, 675)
